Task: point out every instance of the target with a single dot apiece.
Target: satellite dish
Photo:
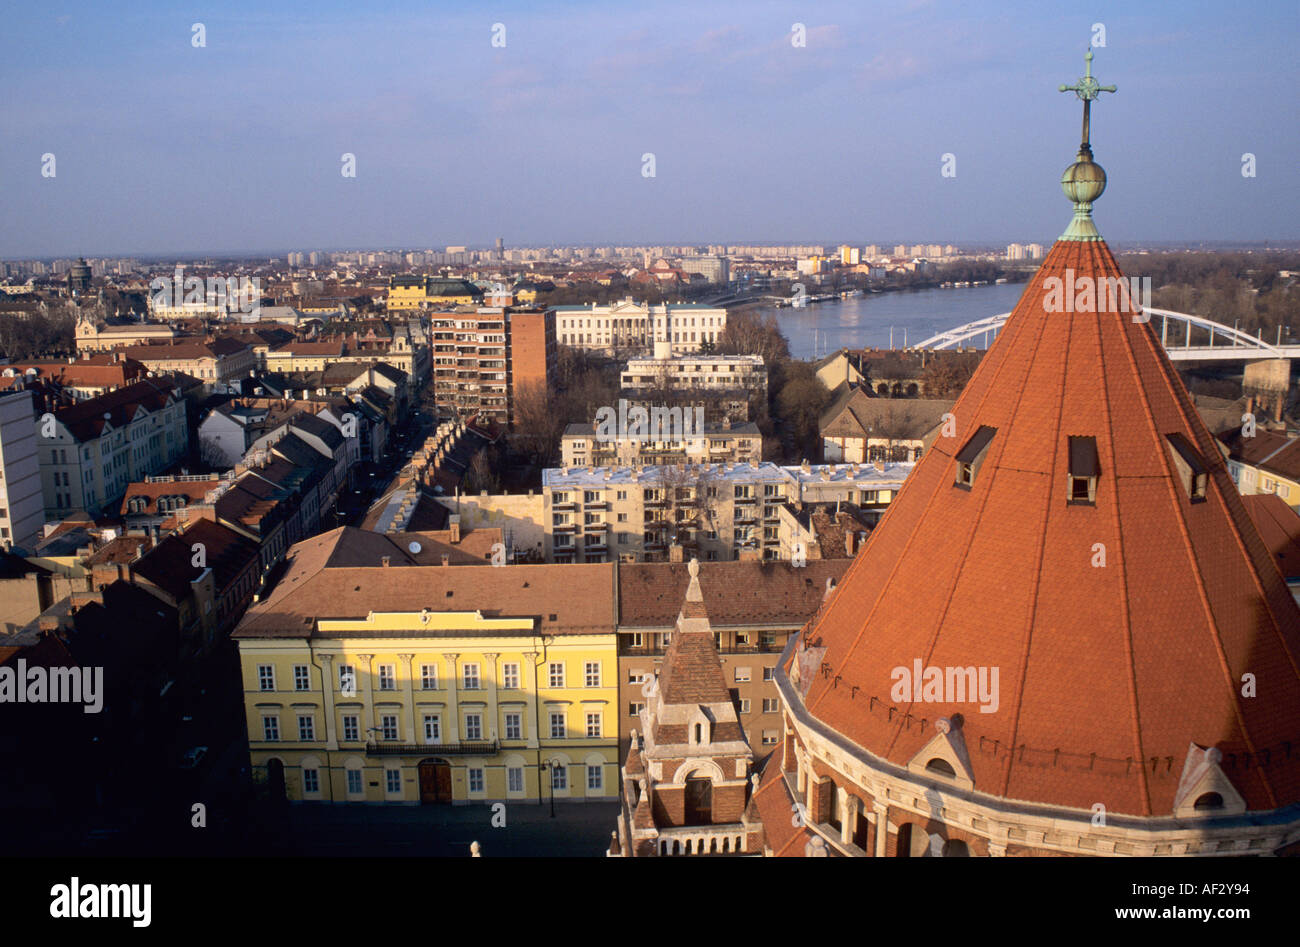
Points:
(414, 547)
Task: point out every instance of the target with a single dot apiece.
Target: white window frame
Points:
(474, 732)
(555, 672)
(562, 718)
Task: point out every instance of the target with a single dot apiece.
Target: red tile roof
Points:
(1279, 527)
(1107, 674)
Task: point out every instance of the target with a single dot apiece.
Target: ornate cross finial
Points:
(1087, 89)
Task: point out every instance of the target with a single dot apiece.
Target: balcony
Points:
(726, 839)
(473, 748)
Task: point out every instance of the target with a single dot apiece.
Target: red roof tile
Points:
(1107, 673)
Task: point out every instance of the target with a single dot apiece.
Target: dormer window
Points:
(970, 457)
(1084, 471)
(1189, 465)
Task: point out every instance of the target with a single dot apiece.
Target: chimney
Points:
(446, 561)
(879, 465)
(850, 543)
(385, 561)
(676, 553)
(453, 526)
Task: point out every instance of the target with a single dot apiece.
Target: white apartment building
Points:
(712, 511)
(695, 372)
(627, 324)
(580, 446)
(22, 507)
(90, 452)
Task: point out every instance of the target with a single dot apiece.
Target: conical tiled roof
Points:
(1107, 673)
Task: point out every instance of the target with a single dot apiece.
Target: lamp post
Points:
(550, 766)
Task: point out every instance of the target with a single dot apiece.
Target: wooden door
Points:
(435, 781)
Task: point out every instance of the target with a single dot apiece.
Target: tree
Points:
(539, 421)
(799, 406)
(896, 423)
(480, 476)
(749, 333)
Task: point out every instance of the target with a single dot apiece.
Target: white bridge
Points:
(1233, 345)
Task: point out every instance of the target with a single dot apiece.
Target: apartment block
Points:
(90, 451)
(714, 512)
(718, 442)
(695, 372)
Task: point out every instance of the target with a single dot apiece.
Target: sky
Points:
(163, 147)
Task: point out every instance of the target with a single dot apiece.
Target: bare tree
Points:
(539, 420)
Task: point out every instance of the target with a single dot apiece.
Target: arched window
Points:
(942, 767)
(1210, 800)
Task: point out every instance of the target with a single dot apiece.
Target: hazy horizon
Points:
(167, 150)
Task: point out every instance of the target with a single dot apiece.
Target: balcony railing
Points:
(472, 748)
(726, 839)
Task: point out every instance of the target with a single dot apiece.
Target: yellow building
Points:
(406, 683)
(407, 293)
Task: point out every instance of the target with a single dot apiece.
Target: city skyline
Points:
(755, 139)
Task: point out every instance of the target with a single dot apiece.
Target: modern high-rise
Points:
(22, 506)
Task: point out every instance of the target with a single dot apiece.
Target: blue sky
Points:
(169, 149)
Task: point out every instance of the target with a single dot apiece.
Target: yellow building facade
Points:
(410, 707)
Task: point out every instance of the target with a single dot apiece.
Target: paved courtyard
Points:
(576, 831)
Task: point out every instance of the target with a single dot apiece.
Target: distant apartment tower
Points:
(900, 250)
(22, 507)
(850, 256)
(1015, 251)
(1035, 251)
(716, 269)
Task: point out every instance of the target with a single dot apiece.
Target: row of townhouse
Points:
(371, 677)
(88, 452)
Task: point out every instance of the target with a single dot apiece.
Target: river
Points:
(865, 321)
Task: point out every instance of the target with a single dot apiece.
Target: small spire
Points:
(693, 593)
